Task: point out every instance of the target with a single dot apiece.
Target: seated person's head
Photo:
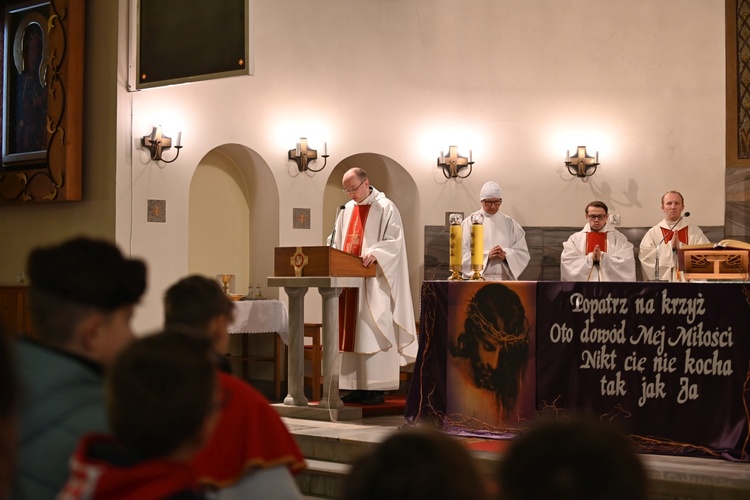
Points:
(82, 295)
(163, 396)
(415, 464)
(578, 459)
(199, 303)
(8, 400)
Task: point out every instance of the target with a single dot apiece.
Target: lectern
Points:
(330, 271)
(714, 262)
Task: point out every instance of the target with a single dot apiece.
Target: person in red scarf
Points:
(162, 404)
(376, 321)
(252, 454)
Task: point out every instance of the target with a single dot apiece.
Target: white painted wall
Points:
(516, 81)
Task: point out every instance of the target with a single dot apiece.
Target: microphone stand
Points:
(671, 230)
(335, 220)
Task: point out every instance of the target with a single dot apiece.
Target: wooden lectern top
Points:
(318, 261)
(726, 260)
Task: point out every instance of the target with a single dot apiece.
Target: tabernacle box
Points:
(726, 260)
(319, 261)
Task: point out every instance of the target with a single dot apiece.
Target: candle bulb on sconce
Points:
(454, 164)
(581, 165)
(303, 155)
(156, 143)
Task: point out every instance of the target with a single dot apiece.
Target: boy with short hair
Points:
(163, 400)
(252, 454)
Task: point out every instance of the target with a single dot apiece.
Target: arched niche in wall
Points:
(233, 218)
(391, 178)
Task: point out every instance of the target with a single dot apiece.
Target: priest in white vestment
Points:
(505, 252)
(660, 244)
(381, 333)
(598, 252)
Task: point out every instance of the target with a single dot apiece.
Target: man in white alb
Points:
(376, 321)
(660, 244)
(505, 252)
(598, 252)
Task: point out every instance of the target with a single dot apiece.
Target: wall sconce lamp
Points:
(156, 143)
(454, 163)
(581, 164)
(302, 155)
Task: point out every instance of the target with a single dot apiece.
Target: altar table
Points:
(262, 316)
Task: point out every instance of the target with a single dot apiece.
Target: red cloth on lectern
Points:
(348, 300)
(596, 238)
(249, 435)
(682, 235)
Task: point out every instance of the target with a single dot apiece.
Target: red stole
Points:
(596, 238)
(682, 234)
(348, 300)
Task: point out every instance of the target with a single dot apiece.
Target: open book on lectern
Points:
(722, 245)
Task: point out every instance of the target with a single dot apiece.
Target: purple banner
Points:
(667, 361)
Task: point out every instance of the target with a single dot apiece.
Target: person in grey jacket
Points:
(81, 297)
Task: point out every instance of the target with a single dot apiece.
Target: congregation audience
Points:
(577, 459)
(418, 463)
(163, 403)
(81, 298)
(252, 454)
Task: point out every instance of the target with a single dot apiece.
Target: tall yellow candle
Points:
(456, 236)
(477, 245)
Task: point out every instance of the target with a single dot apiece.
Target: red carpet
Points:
(394, 404)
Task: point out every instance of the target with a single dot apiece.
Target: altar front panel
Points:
(669, 362)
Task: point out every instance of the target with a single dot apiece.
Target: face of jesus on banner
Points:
(495, 341)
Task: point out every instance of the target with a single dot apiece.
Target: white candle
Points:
(179, 140)
(470, 156)
(296, 150)
(567, 155)
(597, 157)
(442, 157)
(325, 149)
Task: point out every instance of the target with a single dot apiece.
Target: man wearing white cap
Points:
(505, 252)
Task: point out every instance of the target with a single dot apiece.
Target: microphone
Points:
(671, 230)
(335, 219)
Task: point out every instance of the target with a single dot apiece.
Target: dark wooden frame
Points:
(732, 89)
(208, 40)
(57, 177)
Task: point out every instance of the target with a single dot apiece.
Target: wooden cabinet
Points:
(14, 309)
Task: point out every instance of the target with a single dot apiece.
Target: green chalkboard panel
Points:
(188, 40)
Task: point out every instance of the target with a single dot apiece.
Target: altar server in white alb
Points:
(598, 252)
(376, 321)
(505, 252)
(660, 244)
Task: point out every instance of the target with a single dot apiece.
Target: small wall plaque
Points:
(157, 211)
(301, 218)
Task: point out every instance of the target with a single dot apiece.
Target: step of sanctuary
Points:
(331, 447)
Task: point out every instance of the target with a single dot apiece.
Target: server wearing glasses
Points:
(598, 252)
